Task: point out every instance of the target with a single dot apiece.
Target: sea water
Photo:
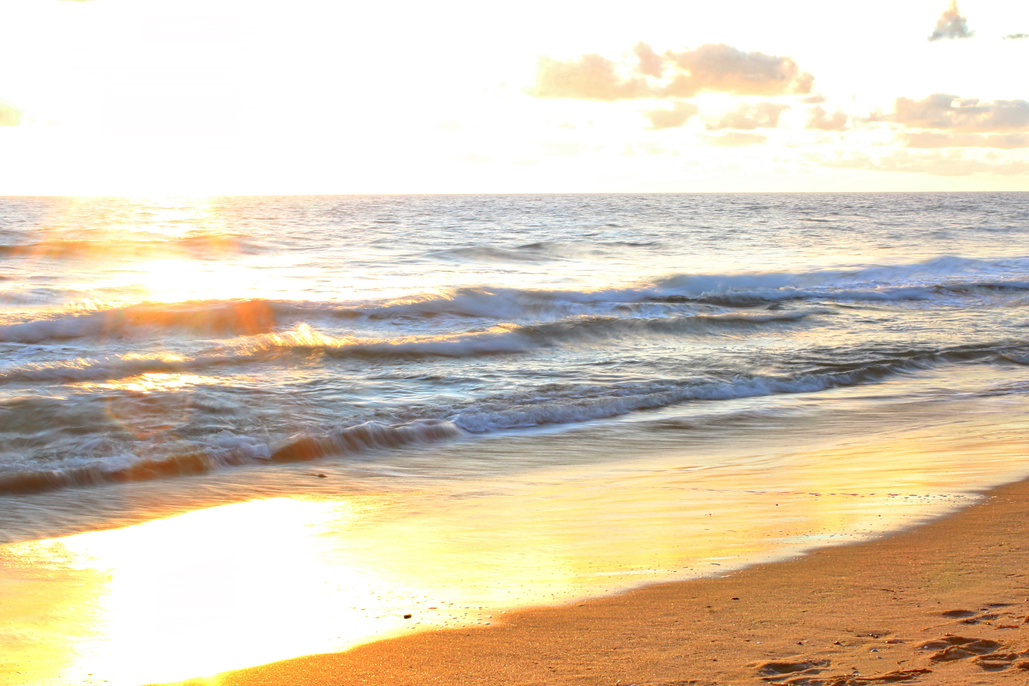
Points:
(221, 415)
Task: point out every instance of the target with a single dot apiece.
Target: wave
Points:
(363, 437)
(940, 279)
(493, 254)
(106, 368)
(593, 328)
(21, 297)
(302, 339)
(228, 450)
(563, 405)
(216, 317)
(106, 247)
(540, 251)
(554, 404)
(919, 281)
(256, 317)
(499, 340)
(511, 338)
(118, 367)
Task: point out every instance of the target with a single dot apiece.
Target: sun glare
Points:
(179, 280)
(201, 592)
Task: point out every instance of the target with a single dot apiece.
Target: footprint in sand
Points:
(996, 661)
(988, 614)
(791, 672)
(895, 677)
(970, 617)
(952, 647)
(984, 652)
(958, 614)
(807, 674)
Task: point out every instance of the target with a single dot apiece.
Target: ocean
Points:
(362, 416)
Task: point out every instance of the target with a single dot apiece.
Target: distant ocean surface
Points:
(148, 339)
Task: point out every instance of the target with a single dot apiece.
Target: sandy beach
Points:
(942, 603)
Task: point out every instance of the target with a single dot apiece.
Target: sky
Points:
(158, 97)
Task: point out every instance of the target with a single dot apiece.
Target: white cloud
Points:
(820, 120)
(650, 63)
(590, 77)
(747, 117)
(949, 112)
(936, 139)
(680, 113)
(720, 68)
(711, 68)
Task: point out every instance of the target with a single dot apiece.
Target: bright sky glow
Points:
(225, 96)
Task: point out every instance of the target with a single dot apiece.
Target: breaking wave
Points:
(227, 450)
(552, 404)
(209, 317)
(939, 279)
(498, 340)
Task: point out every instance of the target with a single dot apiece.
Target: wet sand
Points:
(942, 603)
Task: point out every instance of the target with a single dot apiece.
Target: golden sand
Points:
(942, 603)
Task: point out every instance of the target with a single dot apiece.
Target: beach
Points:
(942, 603)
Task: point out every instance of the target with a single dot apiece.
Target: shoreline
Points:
(939, 603)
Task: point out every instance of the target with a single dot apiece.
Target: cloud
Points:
(820, 120)
(934, 139)
(715, 68)
(669, 119)
(747, 117)
(591, 77)
(651, 64)
(814, 100)
(951, 163)
(949, 112)
(1016, 36)
(951, 25)
(737, 139)
(721, 68)
(9, 115)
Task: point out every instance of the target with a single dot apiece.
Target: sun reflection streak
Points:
(181, 279)
(205, 591)
(157, 249)
(153, 382)
(214, 586)
(304, 336)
